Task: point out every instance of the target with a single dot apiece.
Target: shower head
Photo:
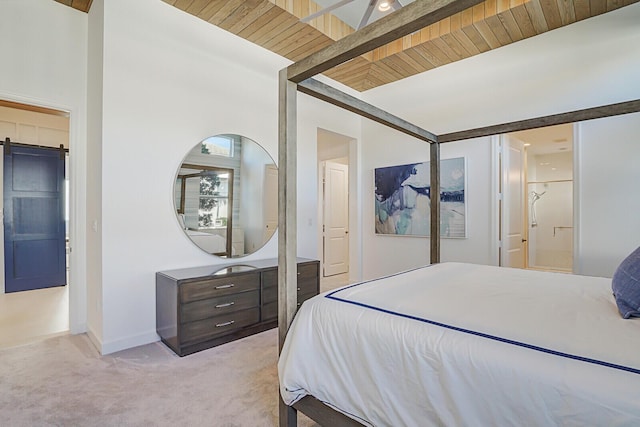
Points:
(535, 196)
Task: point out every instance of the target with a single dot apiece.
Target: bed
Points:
(462, 344)
(532, 361)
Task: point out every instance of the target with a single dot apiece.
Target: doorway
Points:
(36, 134)
(537, 199)
(336, 218)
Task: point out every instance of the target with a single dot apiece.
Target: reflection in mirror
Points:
(226, 195)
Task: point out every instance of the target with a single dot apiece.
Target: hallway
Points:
(30, 316)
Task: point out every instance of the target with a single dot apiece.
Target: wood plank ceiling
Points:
(275, 25)
(82, 5)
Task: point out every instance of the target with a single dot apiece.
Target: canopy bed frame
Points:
(298, 77)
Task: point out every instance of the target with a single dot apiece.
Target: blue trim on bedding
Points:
(479, 334)
(375, 280)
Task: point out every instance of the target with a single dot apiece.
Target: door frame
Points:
(495, 191)
(355, 207)
(77, 174)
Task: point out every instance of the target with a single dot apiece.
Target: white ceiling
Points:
(547, 140)
(352, 12)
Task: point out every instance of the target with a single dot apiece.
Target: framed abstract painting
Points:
(403, 199)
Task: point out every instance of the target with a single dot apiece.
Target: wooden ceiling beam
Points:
(407, 20)
(340, 99)
(538, 122)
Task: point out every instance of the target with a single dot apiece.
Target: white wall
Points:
(95, 60)
(607, 180)
(586, 64)
(385, 254)
(170, 80)
(43, 45)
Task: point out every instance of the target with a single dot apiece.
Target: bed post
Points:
(434, 195)
(287, 223)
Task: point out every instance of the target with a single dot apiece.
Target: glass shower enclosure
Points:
(550, 225)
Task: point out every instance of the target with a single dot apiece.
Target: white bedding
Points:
(468, 345)
(209, 242)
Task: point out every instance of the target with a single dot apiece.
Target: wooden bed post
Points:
(287, 223)
(434, 195)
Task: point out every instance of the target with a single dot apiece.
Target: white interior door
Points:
(336, 218)
(270, 201)
(512, 227)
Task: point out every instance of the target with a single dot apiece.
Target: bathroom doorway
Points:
(548, 197)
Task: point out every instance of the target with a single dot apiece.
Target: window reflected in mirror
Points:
(226, 194)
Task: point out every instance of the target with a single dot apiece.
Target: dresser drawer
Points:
(303, 297)
(212, 288)
(201, 330)
(307, 279)
(270, 294)
(308, 271)
(270, 311)
(307, 282)
(212, 307)
(270, 286)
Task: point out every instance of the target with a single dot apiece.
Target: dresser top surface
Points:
(221, 270)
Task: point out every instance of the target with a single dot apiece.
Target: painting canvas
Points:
(402, 199)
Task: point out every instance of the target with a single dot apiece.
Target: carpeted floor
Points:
(63, 381)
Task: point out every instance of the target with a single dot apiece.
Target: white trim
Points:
(577, 179)
(355, 211)
(320, 224)
(494, 230)
(94, 339)
(108, 347)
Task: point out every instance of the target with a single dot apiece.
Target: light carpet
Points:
(63, 381)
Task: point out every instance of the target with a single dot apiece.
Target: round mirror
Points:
(226, 195)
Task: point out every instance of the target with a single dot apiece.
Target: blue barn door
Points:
(34, 227)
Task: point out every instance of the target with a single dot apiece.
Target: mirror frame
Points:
(183, 184)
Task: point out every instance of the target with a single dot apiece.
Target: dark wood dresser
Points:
(201, 307)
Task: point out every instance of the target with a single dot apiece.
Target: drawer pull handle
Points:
(225, 305)
(298, 289)
(225, 286)
(230, 322)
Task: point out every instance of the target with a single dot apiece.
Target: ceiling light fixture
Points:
(383, 6)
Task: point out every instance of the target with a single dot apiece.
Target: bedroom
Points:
(130, 108)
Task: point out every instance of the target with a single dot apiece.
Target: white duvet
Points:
(468, 345)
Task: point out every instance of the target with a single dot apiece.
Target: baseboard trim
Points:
(108, 347)
(97, 343)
